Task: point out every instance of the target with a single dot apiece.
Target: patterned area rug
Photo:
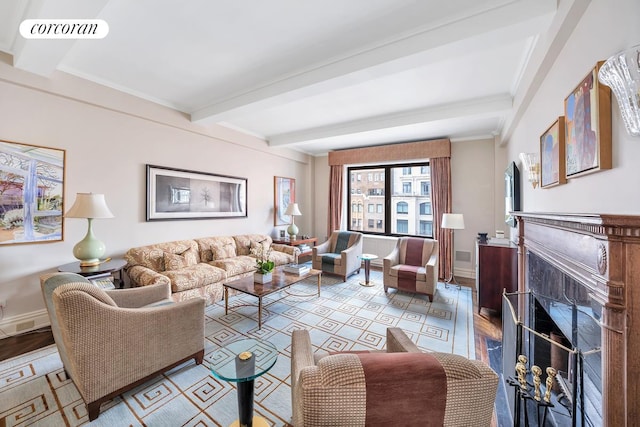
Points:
(35, 391)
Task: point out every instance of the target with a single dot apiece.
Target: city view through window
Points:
(391, 200)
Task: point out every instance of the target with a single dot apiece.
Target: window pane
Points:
(408, 197)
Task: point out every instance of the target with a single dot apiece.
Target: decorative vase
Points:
(262, 277)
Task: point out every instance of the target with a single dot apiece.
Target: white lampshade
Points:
(293, 209)
(89, 205)
(453, 221)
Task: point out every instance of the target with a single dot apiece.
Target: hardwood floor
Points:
(24, 343)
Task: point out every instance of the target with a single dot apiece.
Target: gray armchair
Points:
(340, 254)
(112, 341)
(412, 266)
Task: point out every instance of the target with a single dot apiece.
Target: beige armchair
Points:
(412, 266)
(340, 254)
(112, 341)
(401, 386)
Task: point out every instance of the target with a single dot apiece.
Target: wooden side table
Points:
(311, 241)
(112, 266)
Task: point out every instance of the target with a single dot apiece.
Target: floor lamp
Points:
(453, 222)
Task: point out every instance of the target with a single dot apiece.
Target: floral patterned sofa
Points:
(199, 267)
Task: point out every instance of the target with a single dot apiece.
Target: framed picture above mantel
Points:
(552, 155)
(587, 112)
(174, 194)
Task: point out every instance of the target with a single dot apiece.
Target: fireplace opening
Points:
(558, 327)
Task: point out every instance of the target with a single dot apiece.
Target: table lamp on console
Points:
(293, 210)
(90, 206)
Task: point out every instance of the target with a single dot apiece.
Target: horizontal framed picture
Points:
(552, 165)
(587, 113)
(174, 194)
(31, 193)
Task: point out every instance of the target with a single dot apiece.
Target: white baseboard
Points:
(24, 323)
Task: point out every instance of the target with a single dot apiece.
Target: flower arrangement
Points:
(264, 264)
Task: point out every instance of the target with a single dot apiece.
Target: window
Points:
(425, 188)
(395, 199)
(426, 228)
(425, 208)
(354, 207)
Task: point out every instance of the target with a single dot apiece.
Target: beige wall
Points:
(108, 138)
(605, 28)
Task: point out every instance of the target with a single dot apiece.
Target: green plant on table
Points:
(263, 263)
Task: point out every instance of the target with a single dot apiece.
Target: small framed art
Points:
(284, 194)
(587, 112)
(552, 165)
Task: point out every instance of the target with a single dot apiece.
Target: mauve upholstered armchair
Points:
(340, 254)
(111, 341)
(401, 386)
(412, 266)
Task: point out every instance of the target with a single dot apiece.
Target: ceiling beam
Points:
(515, 19)
(483, 107)
(42, 56)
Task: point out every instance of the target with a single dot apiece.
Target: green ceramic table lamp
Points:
(91, 206)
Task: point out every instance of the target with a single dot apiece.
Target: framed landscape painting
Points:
(31, 193)
(184, 194)
(284, 194)
(552, 165)
(587, 112)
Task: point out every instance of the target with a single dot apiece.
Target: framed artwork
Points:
(284, 194)
(511, 193)
(31, 193)
(587, 112)
(552, 165)
(183, 194)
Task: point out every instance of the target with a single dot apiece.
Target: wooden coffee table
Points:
(280, 281)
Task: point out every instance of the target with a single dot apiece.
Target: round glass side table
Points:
(367, 268)
(242, 362)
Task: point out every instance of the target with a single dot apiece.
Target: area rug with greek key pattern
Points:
(34, 390)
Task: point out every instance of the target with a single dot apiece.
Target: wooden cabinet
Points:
(496, 269)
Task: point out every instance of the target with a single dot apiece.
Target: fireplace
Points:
(578, 297)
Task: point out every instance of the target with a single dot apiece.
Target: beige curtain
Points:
(441, 203)
(335, 198)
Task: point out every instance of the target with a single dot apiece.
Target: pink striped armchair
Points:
(412, 266)
(401, 386)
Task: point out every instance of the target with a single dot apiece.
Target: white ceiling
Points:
(307, 74)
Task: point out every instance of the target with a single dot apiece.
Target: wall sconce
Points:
(531, 162)
(621, 73)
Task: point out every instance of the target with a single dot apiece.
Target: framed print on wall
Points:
(184, 194)
(587, 112)
(31, 193)
(552, 164)
(284, 194)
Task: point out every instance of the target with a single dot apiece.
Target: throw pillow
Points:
(259, 247)
(223, 251)
(178, 261)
